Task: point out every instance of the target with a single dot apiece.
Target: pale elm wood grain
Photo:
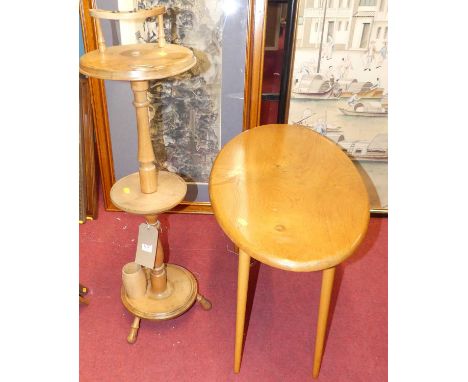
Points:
(289, 198)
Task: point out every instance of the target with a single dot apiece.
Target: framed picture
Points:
(191, 115)
(338, 85)
(88, 174)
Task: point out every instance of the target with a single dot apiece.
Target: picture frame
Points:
(338, 83)
(88, 165)
(256, 11)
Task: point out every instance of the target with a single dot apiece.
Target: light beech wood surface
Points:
(137, 62)
(127, 15)
(127, 195)
(289, 198)
(130, 15)
(179, 296)
(166, 290)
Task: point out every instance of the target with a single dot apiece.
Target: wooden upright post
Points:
(147, 169)
(161, 36)
(158, 275)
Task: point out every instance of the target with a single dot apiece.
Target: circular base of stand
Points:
(179, 296)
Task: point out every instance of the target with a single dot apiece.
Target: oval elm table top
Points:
(289, 198)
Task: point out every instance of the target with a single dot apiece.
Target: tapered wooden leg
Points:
(134, 330)
(325, 294)
(242, 286)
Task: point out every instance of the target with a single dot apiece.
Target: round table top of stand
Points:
(137, 62)
(126, 194)
(289, 197)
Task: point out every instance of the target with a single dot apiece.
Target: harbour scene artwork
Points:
(339, 82)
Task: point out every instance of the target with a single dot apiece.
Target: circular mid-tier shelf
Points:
(126, 194)
(137, 62)
(179, 296)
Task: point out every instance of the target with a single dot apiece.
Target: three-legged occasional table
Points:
(171, 289)
(291, 199)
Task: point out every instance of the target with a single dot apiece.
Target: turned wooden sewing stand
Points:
(172, 289)
(289, 198)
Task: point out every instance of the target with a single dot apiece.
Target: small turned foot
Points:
(132, 336)
(205, 303)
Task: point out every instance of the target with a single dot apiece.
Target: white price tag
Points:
(147, 245)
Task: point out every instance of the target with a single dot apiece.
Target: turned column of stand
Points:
(148, 176)
(171, 289)
(146, 159)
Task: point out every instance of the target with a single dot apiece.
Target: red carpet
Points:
(199, 345)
